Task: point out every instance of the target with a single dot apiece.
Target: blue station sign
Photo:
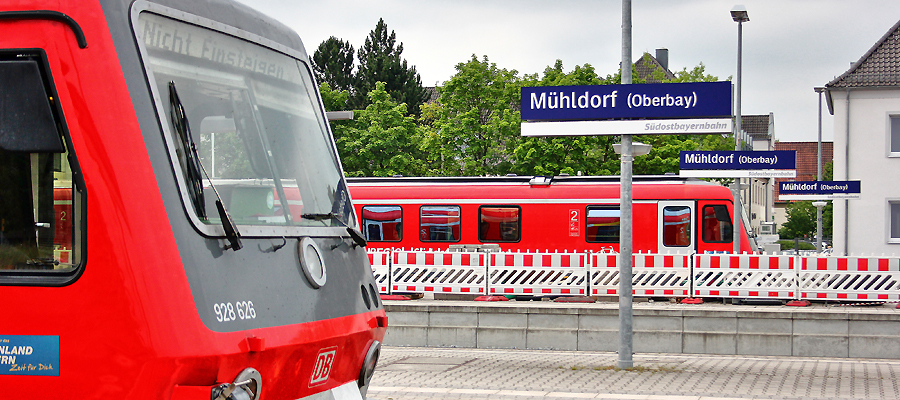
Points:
(739, 164)
(645, 101)
(818, 190)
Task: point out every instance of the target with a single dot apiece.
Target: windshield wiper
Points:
(355, 234)
(194, 169)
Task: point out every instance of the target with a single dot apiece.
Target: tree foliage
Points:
(380, 61)
(333, 63)
(383, 140)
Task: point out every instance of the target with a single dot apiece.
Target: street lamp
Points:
(739, 15)
(819, 204)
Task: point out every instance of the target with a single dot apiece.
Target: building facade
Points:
(865, 102)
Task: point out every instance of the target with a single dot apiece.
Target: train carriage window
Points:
(439, 223)
(677, 226)
(39, 207)
(716, 226)
(382, 223)
(499, 224)
(602, 224)
(253, 129)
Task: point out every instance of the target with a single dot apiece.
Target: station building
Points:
(865, 102)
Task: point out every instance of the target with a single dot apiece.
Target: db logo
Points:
(322, 368)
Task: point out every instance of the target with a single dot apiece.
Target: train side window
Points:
(39, 207)
(716, 226)
(602, 224)
(499, 224)
(439, 223)
(677, 226)
(382, 223)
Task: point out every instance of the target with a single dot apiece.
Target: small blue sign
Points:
(819, 187)
(652, 100)
(29, 355)
(738, 160)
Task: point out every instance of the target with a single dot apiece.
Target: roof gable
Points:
(879, 67)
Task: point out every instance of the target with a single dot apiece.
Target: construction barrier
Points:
(653, 275)
(381, 270)
(438, 271)
(537, 274)
(744, 276)
(849, 278)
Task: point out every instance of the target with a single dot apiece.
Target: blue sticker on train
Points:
(29, 355)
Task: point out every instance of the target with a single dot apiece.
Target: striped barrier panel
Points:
(381, 269)
(849, 278)
(652, 275)
(438, 271)
(744, 276)
(537, 274)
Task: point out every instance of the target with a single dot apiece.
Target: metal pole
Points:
(626, 347)
(736, 191)
(819, 175)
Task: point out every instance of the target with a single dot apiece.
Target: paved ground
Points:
(410, 373)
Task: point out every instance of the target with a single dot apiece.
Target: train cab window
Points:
(382, 223)
(242, 122)
(602, 224)
(39, 206)
(439, 223)
(676, 226)
(716, 225)
(499, 224)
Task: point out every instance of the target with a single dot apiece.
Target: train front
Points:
(204, 244)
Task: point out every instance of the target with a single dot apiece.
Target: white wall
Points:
(867, 220)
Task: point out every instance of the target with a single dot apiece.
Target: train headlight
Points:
(311, 262)
(369, 363)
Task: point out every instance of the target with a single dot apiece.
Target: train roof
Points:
(521, 179)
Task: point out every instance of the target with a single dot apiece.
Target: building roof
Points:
(645, 66)
(756, 125)
(807, 153)
(879, 67)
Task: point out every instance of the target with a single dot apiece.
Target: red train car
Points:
(174, 222)
(563, 213)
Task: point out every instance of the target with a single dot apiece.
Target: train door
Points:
(676, 227)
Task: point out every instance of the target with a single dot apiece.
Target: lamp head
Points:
(739, 13)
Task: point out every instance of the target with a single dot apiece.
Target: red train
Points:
(563, 213)
(174, 222)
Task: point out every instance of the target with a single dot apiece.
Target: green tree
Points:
(333, 64)
(334, 100)
(801, 221)
(380, 61)
(476, 129)
(382, 140)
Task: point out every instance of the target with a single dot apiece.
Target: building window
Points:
(499, 224)
(602, 224)
(895, 135)
(382, 223)
(439, 223)
(717, 226)
(894, 210)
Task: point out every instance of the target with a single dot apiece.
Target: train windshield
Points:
(244, 125)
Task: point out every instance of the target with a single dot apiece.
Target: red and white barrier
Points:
(849, 278)
(744, 276)
(652, 275)
(438, 271)
(381, 269)
(537, 273)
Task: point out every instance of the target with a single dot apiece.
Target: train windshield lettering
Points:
(256, 133)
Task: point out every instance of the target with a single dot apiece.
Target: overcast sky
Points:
(790, 47)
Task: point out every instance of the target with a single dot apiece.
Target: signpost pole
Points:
(819, 248)
(739, 14)
(626, 347)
